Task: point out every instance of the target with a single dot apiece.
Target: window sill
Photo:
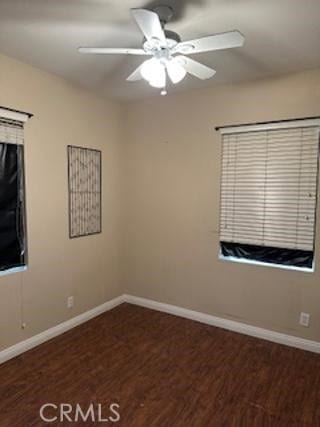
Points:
(266, 264)
(13, 270)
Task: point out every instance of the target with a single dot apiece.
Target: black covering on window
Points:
(12, 233)
(289, 257)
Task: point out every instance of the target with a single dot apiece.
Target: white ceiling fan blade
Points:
(136, 75)
(149, 23)
(111, 51)
(196, 68)
(215, 42)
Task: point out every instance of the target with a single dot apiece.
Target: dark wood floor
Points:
(163, 371)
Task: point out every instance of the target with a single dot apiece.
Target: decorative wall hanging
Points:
(84, 171)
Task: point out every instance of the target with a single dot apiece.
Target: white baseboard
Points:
(208, 319)
(34, 341)
(231, 325)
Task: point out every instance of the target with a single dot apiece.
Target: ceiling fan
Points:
(167, 51)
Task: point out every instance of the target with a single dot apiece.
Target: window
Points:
(269, 192)
(12, 195)
(84, 166)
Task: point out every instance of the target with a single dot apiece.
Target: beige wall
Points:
(161, 178)
(87, 268)
(173, 179)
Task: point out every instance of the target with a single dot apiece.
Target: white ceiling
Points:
(281, 36)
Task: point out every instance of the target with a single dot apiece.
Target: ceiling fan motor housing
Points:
(172, 36)
(165, 13)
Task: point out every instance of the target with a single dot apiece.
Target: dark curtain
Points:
(289, 257)
(11, 211)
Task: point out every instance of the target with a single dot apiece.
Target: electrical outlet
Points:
(70, 302)
(304, 319)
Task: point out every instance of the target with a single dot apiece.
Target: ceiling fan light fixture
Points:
(159, 81)
(176, 71)
(154, 72)
(151, 68)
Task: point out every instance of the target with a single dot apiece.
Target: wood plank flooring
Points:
(163, 371)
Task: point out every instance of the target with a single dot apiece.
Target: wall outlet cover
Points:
(70, 302)
(304, 319)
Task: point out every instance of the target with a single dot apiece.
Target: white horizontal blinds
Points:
(269, 187)
(11, 131)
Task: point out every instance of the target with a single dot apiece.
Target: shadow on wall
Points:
(179, 6)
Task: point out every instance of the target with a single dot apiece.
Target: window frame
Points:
(22, 117)
(265, 126)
